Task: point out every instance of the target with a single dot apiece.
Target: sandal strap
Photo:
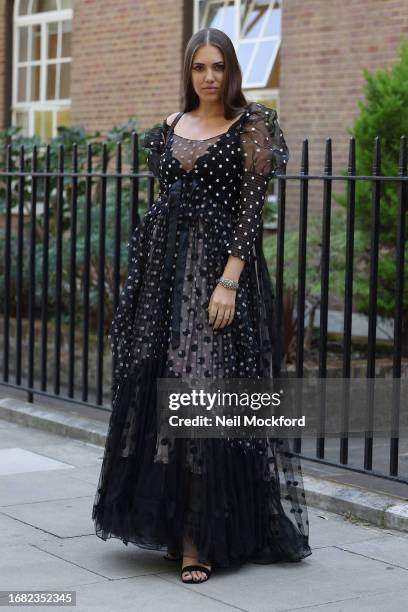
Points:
(199, 568)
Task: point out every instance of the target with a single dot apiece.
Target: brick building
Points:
(94, 63)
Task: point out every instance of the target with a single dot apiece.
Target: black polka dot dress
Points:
(237, 500)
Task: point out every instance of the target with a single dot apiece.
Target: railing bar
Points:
(101, 280)
(301, 288)
(45, 272)
(19, 271)
(348, 305)
(398, 316)
(58, 271)
(86, 274)
(372, 306)
(299, 177)
(72, 273)
(280, 257)
(324, 295)
(31, 280)
(7, 265)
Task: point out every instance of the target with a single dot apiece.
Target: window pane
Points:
(23, 48)
(273, 26)
(50, 89)
(64, 118)
(23, 44)
(208, 14)
(66, 4)
(22, 121)
(65, 82)
(254, 20)
(219, 15)
(244, 53)
(43, 125)
(23, 8)
(52, 29)
(36, 48)
(40, 6)
(21, 85)
(259, 70)
(66, 38)
(35, 83)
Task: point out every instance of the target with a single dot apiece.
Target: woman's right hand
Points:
(221, 308)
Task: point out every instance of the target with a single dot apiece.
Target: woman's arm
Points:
(264, 152)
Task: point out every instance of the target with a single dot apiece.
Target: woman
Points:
(198, 302)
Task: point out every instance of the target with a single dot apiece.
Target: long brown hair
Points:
(232, 95)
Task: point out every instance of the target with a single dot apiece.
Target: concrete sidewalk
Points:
(47, 486)
(380, 501)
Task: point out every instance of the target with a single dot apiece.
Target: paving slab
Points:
(28, 567)
(34, 487)
(15, 460)
(65, 518)
(148, 594)
(387, 548)
(48, 541)
(328, 529)
(110, 558)
(332, 574)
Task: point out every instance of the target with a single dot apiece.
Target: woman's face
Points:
(207, 73)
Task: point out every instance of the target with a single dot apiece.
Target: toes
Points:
(199, 575)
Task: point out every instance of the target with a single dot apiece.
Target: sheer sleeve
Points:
(264, 153)
(154, 141)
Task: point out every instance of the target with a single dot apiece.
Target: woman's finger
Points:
(227, 317)
(220, 316)
(231, 316)
(212, 313)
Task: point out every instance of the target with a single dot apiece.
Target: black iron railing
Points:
(83, 280)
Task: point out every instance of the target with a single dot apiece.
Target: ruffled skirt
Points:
(235, 500)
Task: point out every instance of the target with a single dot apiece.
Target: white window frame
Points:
(30, 107)
(254, 89)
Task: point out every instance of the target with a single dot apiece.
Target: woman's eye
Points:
(219, 67)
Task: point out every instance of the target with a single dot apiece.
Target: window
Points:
(255, 29)
(42, 66)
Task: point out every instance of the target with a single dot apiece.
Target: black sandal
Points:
(196, 567)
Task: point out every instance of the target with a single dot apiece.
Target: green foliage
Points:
(65, 141)
(313, 256)
(383, 113)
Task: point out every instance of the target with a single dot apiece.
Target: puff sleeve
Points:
(154, 141)
(264, 153)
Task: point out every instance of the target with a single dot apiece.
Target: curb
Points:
(62, 423)
(384, 511)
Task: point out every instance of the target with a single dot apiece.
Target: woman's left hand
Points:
(221, 308)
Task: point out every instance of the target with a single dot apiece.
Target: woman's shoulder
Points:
(169, 120)
(256, 112)
(154, 136)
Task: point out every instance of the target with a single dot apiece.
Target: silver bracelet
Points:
(228, 283)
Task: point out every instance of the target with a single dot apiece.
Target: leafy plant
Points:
(64, 142)
(382, 113)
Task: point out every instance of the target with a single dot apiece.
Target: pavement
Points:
(49, 466)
